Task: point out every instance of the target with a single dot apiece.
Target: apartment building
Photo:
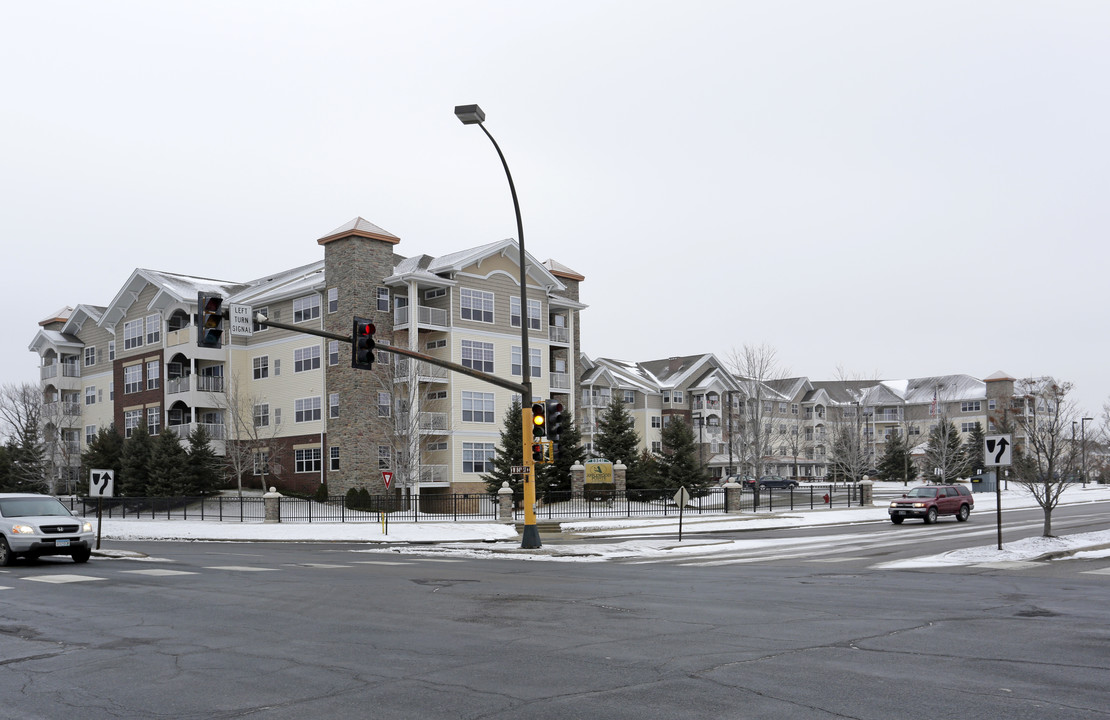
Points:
(291, 399)
(796, 417)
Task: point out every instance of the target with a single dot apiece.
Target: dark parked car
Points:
(930, 501)
(774, 481)
(35, 525)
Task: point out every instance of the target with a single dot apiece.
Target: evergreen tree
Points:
(135, 456)
(509, 452)
(649, 475)
(104, 452)
(27, 457)
(974, 448)
(616, 438)
(5, 469)
(168, 465)
(679, 464)
(556, 477)
(895, 462)
(203, 466)
(944, 451)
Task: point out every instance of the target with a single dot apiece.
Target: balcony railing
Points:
(424, 316)
(48, 371)
(216, 431)
(423, 370)
(558, 334)
(601, 401)
(71, 369)
(560, 381)
(889, 416)
(433, 421)
(435, 474)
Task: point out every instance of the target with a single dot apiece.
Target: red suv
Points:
(930, 501)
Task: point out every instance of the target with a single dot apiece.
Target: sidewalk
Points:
(578, 538)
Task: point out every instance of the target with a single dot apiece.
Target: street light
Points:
(473, 115)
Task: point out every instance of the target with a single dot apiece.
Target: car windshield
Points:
(923, 492)
(30, 507)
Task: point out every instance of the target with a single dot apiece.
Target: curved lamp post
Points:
(473, 115)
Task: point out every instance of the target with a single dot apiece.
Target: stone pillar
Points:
(577, 479)
(505, 503)
(619, 469)
(865, 492)
(272, 501)
(733, 491)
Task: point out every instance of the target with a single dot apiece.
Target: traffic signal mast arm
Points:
(471, 372)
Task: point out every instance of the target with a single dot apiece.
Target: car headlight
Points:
(919, 505)
(87, 527)
(894, 505)
(23, 530)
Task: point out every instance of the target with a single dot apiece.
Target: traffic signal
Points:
(362, 344)
(210, 320)
(539, 431)
(554, 426)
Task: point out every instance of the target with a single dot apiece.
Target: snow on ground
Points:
(607, 538)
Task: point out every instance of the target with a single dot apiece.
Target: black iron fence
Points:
(464, 506)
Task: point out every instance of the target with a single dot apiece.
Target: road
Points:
(270, 630)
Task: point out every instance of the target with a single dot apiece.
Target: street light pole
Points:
(1083, 446)
(473, 115)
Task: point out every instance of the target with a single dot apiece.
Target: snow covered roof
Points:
(358, 227)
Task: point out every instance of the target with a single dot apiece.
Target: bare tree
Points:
(753, 433)
(417, 408)
(1047, 458)
(21, 425)
(252, 434)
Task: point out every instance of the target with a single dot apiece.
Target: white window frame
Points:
(478, 407)
(133, 334)
(476, 305)
(478, 355)
(306, 308)
(306, 359)
(307, 409)
(261, 367)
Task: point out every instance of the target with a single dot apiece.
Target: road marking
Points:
(4, 587)
(1007, 565)
(321, 566)
(1102, 571)
(58, 579)
(158, 572)
(240, 568)
(442, 560)
(380, 562)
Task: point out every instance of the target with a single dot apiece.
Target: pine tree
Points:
(509, 452)
(974, 447)
(944, 451)
(895, 462)
(649, 475)
(135, 463)
(616, 438)
(203, 466)
(104, 452)
(28, 459)
(680, 465)
(167, 469)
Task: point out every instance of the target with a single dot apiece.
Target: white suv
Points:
(35, 525)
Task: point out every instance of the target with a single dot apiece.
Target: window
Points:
(383, 299)
(478, 457)
(111, 350)
(656, 447)
(793, 408)
(782, 408)
(478, 355)
(437, 445)
(677, 396)
(261, 367)
(306, 410)
(264, 312)
(153, 329)
(333, 458)
(262, 462)
(629, 397)
(305, 359)
(992, 405)
(437, 395)
(434, 344)
(112, 390)
(153, 374)
(132, 334)
(534, 309)
(476, 305)
(477, 407)
(90, 434)
(381, 357)
(666, 396)
(131, 420)
(967, 427)
(333, 299)
(656, 421)
(262, 415)
(154, 420)
(132, 379)
(533, 361)
(434, 293)
(384, 401)
(308, 460)
(384, 455)
(306, 308)
(90, 395)
(90, 356)
(970, 406)
(333, 405)
(333, 353)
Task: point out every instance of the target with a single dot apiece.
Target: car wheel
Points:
(964, 513)
(81, 556)
(6, 556)
(793, 486)
(931, 516)
(896, 519)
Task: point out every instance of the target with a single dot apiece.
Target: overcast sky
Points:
(893, 188)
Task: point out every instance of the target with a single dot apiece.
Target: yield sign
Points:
(387, 477)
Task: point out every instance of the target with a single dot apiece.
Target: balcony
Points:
(433, 422)
(560, 381)
(435, 474)
(559, 335)
(598, 401)
(425, 371)
(48, 371)
(216, 431)
(204, 383)
(889, 415)
(436, 318)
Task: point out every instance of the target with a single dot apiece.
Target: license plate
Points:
(61, 543)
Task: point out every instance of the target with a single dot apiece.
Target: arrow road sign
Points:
(998, 450)
(101, 483)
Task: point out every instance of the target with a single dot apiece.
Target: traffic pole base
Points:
(531, 538)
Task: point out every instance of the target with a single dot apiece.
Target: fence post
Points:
(619, 472)
(577, 479)
(732, 496)
(865, 491)
(272, 501)
(505, 503)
